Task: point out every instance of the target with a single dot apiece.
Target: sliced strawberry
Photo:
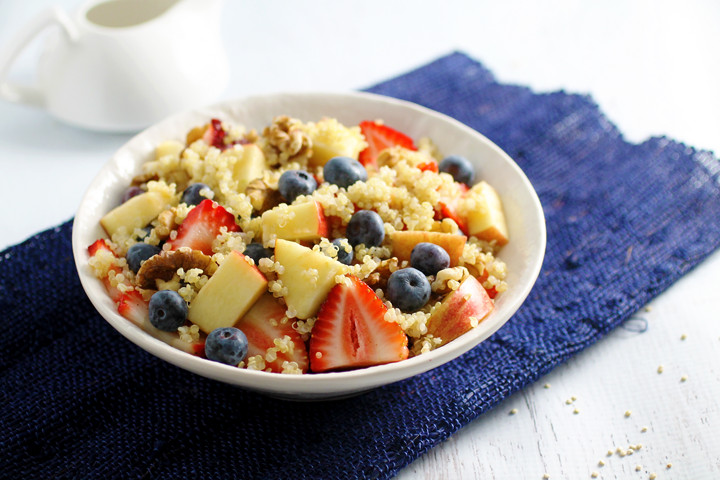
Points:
(351, 331)
(262, 324)
(215, 134)
(450, 207)
(101, 247)
(133, 306)
(379, 137)
(202, 225)
(98, 245)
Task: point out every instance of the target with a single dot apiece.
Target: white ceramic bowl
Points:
(523, 255)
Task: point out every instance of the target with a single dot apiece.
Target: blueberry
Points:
(344, 171)
(147, 230)
(366, 227)
(138, 253)
(429, 258)
(294, 183)
(131, 192)
(459, 167)
(408, 289)
(343, 256)
(168, 310)
(191, 195)
(256, 251)
(227, 345)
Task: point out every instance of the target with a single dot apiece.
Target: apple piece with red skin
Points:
(228, 295)
(404, 241)
(460, 311)
(485, 217)
(304, 221)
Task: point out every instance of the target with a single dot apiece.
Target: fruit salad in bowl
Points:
(309, 245)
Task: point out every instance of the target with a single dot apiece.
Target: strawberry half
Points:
(101, 247)
(351, 331)
(215, 135)
(133, 306)
(379, 137)
(450, 207)
(262, 324)
(202, 225)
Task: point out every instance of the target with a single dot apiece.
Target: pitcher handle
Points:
(27, 94)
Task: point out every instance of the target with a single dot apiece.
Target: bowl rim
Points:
(320, 385)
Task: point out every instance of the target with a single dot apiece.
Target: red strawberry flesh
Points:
(262, 324)
(379, 137)
(351, 331)
(202, 225)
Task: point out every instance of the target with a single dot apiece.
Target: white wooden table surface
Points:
(654, 68)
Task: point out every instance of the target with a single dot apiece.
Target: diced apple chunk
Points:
(460, 311)
(403, 243)
(332, 139)
(305, 221)
(249, 166)
(485, 216)
(309, 276)
(136, 212)
(228, 295)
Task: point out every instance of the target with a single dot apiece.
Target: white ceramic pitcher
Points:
(120, 65)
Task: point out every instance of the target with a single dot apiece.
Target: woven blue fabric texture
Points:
(624, 222)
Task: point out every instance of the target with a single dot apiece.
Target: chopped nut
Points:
(164, 266)
(284, 141)
(261, 196)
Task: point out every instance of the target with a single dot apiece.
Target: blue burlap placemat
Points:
(624, 222)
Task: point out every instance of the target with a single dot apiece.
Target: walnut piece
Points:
(379, 278)
(284, 142)
(166, 223)
(163, 266)
(261, 196)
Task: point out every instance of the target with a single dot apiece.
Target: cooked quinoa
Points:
(405, 195)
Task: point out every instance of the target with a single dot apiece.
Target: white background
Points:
(653, 67)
